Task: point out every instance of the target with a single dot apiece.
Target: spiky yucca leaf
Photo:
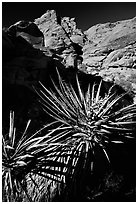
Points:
(24, 157)
(66, 151)
(85, 121)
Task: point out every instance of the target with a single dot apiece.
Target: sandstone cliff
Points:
(109, 50)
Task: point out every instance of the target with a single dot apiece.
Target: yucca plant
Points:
(83, 122)
(26, 165)
(61, 155)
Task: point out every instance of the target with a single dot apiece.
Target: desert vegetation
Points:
(85, 152)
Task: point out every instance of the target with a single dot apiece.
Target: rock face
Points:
(60, 35)
(55, 36)
(109, 50)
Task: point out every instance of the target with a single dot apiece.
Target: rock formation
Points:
(109, 50)
(59, 36)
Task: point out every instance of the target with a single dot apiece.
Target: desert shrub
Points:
(59, 162)
(86, 126)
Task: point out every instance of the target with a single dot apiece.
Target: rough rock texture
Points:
(55, 36)
(109, 50)
(59, 36)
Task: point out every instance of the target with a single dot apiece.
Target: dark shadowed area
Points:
(87, 14)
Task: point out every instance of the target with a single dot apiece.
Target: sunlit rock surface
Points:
(109, 50)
